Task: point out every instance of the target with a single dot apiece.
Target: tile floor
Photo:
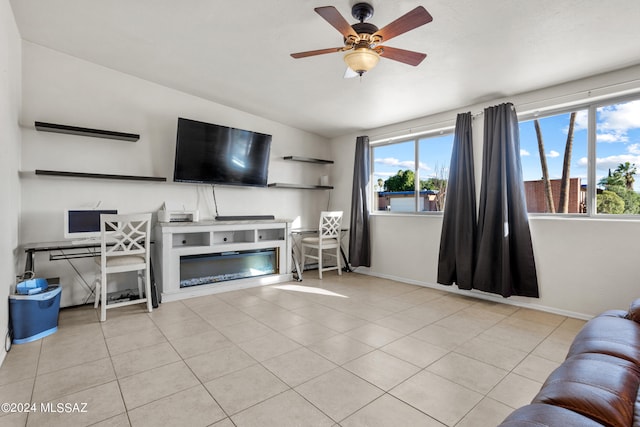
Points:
(345, 351)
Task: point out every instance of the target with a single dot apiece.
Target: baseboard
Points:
(477, 294)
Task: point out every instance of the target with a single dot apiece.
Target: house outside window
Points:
(411, 175)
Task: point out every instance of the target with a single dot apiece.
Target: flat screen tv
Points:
(214, 154)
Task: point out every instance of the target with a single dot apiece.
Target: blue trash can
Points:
(34, 316)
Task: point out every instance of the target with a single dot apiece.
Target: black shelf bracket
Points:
(75, 130)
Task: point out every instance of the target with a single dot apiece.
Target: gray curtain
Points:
(505, 263)
(359, 243)
(457, 241)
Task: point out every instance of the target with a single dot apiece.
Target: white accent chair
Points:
(124, 247)
(327, 242)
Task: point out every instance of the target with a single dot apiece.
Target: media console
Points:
(195, 259)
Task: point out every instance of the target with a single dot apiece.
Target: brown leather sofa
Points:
(598, 382)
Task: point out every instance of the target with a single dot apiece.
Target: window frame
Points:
(415, 138)
(591, 197)
(590, 105)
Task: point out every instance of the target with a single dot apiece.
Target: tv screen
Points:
(214, 154)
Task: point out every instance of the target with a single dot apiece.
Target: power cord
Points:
(215, 203)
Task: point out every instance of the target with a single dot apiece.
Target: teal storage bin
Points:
(34, 316)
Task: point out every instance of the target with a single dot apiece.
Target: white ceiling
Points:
(237, 52)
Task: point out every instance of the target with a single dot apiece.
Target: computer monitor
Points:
(83, 224)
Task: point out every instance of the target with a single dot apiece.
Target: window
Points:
(618, 157)
(561, 176)
(553, 152)
(396, 166)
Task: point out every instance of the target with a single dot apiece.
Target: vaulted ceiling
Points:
(237, 52)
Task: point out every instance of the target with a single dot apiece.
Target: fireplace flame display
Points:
(198, 270)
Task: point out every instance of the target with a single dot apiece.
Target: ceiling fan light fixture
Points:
(361, 59)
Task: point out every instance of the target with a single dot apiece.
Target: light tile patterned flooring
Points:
(344, 351)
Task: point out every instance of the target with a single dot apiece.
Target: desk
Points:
(89, 249)
(294, 245)
(72, 250)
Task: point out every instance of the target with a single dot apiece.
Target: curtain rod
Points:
(414, 131)
(585, 93)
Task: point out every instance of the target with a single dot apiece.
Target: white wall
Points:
(584, 265)
(10, 76)
(62, 89)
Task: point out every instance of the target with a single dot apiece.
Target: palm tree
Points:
(627, 170)
(566, 167)
(545, 170)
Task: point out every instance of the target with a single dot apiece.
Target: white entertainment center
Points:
(180, 245)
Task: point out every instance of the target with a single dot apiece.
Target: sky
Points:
(618, 141)
(435, 156)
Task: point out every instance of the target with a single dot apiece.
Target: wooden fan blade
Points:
(333, 17)
(407, 22)
(406, 56)
(316, 52)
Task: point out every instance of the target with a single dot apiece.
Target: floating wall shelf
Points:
(97, 133)
(308, 160)
(100, 175)
(300, 186)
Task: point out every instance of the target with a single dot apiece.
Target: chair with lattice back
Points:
(124, 247)
(327, 242)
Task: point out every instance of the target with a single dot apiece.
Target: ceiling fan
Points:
(362, 41)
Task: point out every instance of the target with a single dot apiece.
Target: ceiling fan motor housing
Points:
(362, 11)
(364, 28)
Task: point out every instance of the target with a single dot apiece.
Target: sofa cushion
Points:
(609, 333)
(598, 386)
(634, 311)
(541, 415)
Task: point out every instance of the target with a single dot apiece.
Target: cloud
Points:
(553, 154)
(612, 137)
(581, 123)
(425, 168)
(612, 162)
(392, 161)
(620, 116)
(615, 121)
(524, 153)
(383, 175)
(634, 149)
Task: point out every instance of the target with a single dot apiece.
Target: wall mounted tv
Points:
(214, 154)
